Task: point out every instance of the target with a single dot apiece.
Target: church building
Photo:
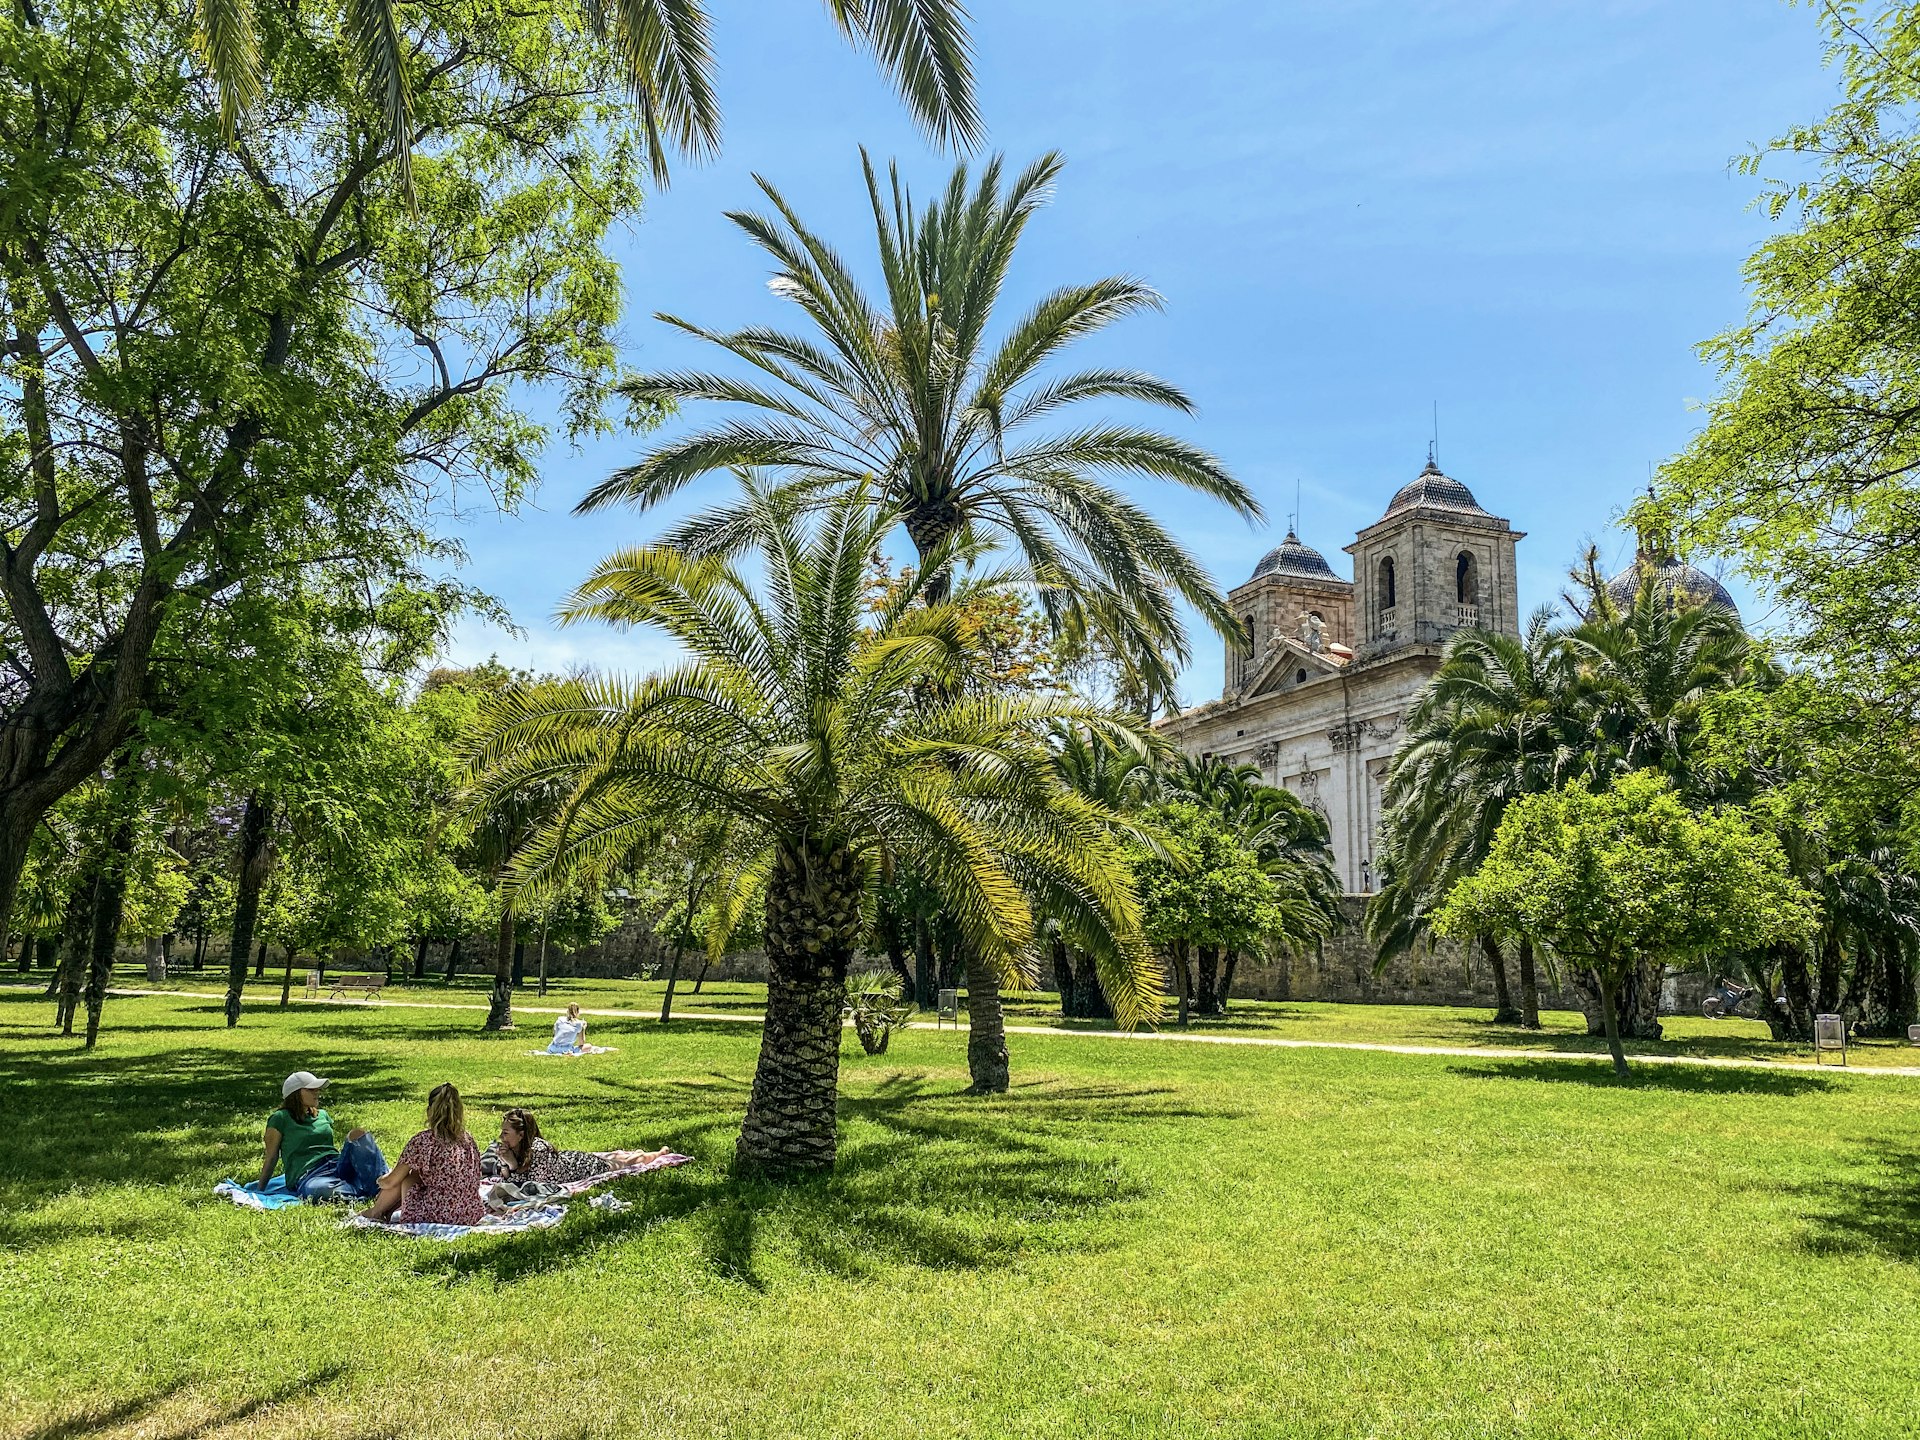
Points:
(1318, 697)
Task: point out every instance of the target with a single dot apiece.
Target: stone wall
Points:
(1343, 970)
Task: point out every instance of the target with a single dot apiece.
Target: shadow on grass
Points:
(127, 1412)
(1689, 1079)
(928, 1176)
(1875, 1210)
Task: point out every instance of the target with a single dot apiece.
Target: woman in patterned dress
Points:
(437, 1179)
(522, 1154)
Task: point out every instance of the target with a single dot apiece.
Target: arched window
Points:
(1386, 583)
(1301, 678)
(1466, 579)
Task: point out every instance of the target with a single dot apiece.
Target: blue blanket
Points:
(273, 1196)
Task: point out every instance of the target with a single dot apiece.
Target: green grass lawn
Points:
(1139, 1240)
(1561, 1031)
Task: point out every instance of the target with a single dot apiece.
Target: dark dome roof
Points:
(1672, 579)
(1290, 557)
(1432, 489)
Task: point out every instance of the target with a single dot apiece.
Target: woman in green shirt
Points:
(299, 1140)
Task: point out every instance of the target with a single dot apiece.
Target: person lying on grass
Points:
(299, 1139)
(522, 1154)
(437, 1179)
(569, 1032)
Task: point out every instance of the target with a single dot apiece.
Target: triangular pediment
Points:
(1284, 663)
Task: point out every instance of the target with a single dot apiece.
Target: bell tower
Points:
(1436, 562)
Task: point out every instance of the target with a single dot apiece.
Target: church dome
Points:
(1432, 490)
(1293, 560)
(1672, 579)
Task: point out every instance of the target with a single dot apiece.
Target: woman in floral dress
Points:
(437, 1180)
(522, 1154)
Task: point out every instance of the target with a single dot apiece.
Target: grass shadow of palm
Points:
(1690, 1079)
(1874, 1211)
(929, 1177)
(131, 1412)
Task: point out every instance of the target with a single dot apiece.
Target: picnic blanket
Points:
(505, 1222)
(583, 1050)
(273, 1196)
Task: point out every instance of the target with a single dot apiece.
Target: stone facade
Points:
(1318, 697)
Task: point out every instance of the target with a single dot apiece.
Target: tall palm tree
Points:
(1500, 719)
(918, 394)
(795, 714)
(662, 47)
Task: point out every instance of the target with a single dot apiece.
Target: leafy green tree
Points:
(228, 362)
(1807, 471)
(789, 716)
(1629, 875)
(1202, 885)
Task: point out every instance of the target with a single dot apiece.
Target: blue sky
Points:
(1521, 212)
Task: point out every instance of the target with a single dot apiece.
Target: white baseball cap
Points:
(302, 1080)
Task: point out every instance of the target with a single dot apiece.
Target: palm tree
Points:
(1500, 719)
(913, 394)
(662, 47)
(796, 714)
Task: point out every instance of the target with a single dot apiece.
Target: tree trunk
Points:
(1063, 979)
(1832, 959)
(706, 963)
(813, 923)
(1529, 988)
(673, 979)
(543, 955)
(255, 827)
(420, 957)
(453, 959)
(286, 981)
(1798, 987)
(46, 951)
(1207, 976)
(986, 1029)
(76, 931)
(199, 948)
(1636, 1002)
(519, 963)
(893, 937)
(1610, 1022)
(1230, 964)
(500, 1007)
(260, 962)
(156, 958)
(1504, 1012)
(1182, 978)
(923, 963)
(1089, 996)
(109, 898)
(947, 947)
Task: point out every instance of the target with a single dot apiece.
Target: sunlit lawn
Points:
(1139, 1240)
(1562, 1030)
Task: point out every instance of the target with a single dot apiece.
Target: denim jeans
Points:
(354, 1173)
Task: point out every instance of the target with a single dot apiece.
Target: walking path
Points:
(1470, 1052)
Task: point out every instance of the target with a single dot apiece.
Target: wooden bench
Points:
(367, 985)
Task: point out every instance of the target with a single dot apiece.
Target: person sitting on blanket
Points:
(569, 1033)
(521, 1154)
(437, 1179)
(299, 1140)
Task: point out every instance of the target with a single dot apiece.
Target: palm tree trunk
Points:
(500, 1007)
(1504, 1012)
(1207, 975)
(76, 931)
(1089, 997)
(254, 828)
(1529, 988)
(923, 963)
(1799, 991)
(1227, 967)
(1062, 976)
(813, 922)
(1827, 995)
(986, 1029)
